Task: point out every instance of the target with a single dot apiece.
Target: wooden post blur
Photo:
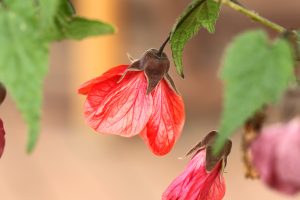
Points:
(91, 57)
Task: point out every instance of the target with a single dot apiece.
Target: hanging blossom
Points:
(202, 179)
(140, 98)
(275, 155)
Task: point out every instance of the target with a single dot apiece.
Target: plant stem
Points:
(253, 15)
(161, 49)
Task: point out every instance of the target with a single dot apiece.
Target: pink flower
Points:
(137, 99)
(2, 139)
(201, 180)
(276, 156)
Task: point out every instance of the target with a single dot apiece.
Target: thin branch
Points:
(253, 15)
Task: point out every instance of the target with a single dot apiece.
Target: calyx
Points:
(155, 66)
(212, 158)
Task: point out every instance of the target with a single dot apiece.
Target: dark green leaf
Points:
(199, 14)
(68, 8)
(256, 72)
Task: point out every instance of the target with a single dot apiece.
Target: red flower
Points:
(202, 178)
(276, 156)
(137, 99)
(2, 139)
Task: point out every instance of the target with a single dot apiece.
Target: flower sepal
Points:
(155, 65)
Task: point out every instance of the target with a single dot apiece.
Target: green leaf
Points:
(79, 28)
(23, 62)
(199, 14)
(68, 26)
(28, 27)
(47, 10)
(256, 72)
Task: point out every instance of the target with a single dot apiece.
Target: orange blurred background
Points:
(73, 162)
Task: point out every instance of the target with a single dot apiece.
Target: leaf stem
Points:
(253, 15)
(161, 49)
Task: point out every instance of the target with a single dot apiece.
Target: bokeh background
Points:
(73, 162)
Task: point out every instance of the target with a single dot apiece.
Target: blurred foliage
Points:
(256, 72)
(298, 42)
(27, 29)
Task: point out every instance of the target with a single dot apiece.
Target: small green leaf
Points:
(23, 63)
(256, 72)
(79, 28)
(199, 14)
(68, 26)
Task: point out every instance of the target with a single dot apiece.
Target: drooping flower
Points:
(275, 155)
(202, 179)
(2, 138)
(140, 98)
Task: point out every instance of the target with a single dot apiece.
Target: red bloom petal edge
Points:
(115, 71)
(2, 138)
(167, 119)
(120, 108)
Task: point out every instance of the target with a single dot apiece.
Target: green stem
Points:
(253, 15)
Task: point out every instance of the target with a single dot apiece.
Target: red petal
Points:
(119, 108)
(2, 138)
(115, 71)
(214, 187)
(166, 121)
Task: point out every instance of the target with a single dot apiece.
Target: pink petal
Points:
(167, 119)
(113, 72)
(2, 138)
(195, 183)
(264, 157)
(288, 157)
(119, 108)
(276, 156)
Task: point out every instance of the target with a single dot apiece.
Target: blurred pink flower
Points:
(196, 183)
(276, 156)
(2, 139)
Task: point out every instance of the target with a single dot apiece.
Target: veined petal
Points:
(166, 121)
(195, 183)
(118, 71)
(2, 138)
(120, 108)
